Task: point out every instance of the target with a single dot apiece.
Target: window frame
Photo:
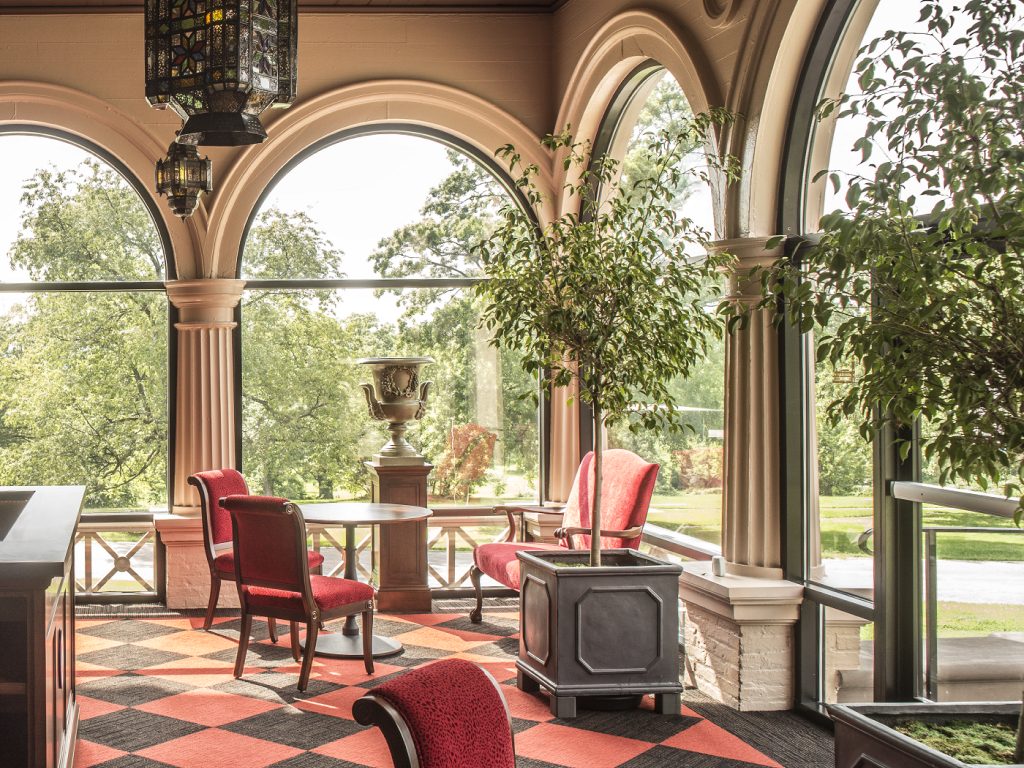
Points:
(123, 286)
(340, 284)
(896, 604)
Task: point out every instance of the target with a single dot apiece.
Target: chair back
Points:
(626, 489)
(451, 711)
(269, 535)
(213, 485)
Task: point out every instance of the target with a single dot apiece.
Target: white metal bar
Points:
(957, 498)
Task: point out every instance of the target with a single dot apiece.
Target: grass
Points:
(843, 519)
(978, 619)
(970, 742)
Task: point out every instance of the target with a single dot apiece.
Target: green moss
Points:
(971, 742)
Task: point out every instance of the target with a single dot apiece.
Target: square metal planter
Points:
(863, 740)
(607, 631)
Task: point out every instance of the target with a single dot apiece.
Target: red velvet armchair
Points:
(626, 490)
(449, 714)
(272, 574)
(213, 485)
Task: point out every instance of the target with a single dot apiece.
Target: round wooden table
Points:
(348, 644)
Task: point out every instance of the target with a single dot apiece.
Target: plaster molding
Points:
(722, 13)
(619, 46)
(204, 303)
(47, 105)
(748, 253)
(417, 103)
(742, 599)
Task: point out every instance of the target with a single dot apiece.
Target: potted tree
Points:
(921, 281)
(613, 297)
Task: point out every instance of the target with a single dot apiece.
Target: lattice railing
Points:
(448, 527)
(116, 555)
(329, 541)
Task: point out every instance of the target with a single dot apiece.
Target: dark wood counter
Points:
(37, 532)
(38, 711)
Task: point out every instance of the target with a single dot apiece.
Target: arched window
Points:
(864, 554)
(364, 247)
(83, 325)
(689, 491)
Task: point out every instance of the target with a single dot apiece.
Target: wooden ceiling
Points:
(346, 6)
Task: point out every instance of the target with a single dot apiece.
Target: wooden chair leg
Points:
(214, 596)
(368, 639)
(243, 644)
(477, 614)
(293, 628)
(307, 658)
(272, 628)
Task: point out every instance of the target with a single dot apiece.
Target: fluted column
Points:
(205, 427)
(751, 516)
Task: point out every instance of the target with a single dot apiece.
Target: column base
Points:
(186, 569)
(739, 637)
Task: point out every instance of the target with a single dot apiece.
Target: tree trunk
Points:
(595, 516)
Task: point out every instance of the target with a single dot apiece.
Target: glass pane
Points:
(66, 215)
(849, 658)
(306, 432)
(688, 497)
(846, 160)
(386, 205)
(83, 394)
(974, 610)
(841, 502)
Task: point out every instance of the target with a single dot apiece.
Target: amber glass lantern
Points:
(183, 176)
(220, 63)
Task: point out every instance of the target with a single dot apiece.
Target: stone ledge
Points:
(741, 599)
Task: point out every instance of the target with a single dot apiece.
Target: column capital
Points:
(748, 253)
(206, 301)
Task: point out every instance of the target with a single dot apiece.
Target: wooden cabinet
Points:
(38, 711)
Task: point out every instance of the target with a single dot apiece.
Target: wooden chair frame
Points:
(563, 534)
(310, 614)
(212, 550)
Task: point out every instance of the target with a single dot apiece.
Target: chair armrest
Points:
(511, 509)
(629, 533)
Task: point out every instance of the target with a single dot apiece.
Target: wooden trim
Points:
(374, 710)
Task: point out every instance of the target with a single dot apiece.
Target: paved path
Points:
(960, 581)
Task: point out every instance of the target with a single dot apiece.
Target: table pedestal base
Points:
(341, 646)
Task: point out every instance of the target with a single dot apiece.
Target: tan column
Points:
(751, 512)
(205, 428)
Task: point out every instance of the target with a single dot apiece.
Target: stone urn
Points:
(396, 396)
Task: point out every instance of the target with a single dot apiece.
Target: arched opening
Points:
(84, 364)
(689, 492)
(364, 246)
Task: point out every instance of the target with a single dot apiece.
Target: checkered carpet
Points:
(157, 692)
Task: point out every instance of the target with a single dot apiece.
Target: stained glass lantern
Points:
(220, 63)
(183, 176)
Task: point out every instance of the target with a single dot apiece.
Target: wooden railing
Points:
(117, 558)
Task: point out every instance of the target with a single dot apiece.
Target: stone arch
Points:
(463, 116)
(55, 107)
(617, 49)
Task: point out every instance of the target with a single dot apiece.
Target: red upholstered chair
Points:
(449, 714)
(272, 574)
(626, 489)
(213, 485)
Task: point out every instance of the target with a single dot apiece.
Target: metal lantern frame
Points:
(183, 176)
(220, 63)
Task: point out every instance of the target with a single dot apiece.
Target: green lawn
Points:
(843, 519)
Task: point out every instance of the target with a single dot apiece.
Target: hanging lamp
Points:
(220, 63)
(183, 176)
